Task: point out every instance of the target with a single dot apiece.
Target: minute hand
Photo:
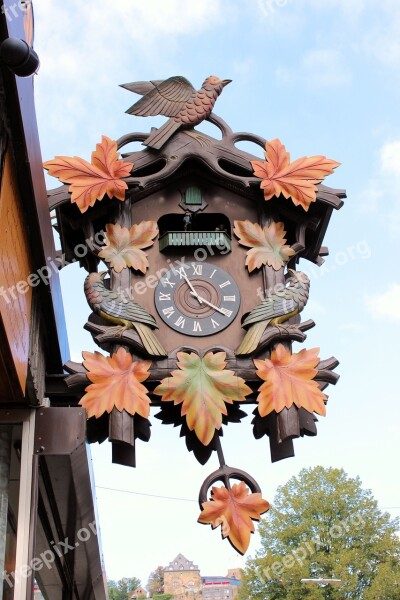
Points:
(201, 300)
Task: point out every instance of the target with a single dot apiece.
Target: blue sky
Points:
(324, 78)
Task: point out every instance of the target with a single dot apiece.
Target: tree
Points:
(324, 525)
(119, 590)
(155, 584)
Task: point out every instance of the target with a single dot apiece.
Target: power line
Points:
(100, 487)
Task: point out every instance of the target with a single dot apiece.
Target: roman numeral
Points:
(196, 326)
(212, 274)
(226, 312)
(181, 272)
(168, 282)
(214, 324)
(168, 312)
(222, 285)
(229, 298)
(180, 322)
(197, 269)
(163, 296)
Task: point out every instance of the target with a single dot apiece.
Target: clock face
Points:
(197, 299)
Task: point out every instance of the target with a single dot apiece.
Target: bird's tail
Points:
(149, 340)
(158, 137)
(252, 338)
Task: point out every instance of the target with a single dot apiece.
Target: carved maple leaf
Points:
(124, 246)
(202, 386)
(235, 510)
(267, 244)
(92, 181)
(297, 180)
(116, 382)
(289, 379)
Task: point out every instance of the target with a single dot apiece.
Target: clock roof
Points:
(217, 161)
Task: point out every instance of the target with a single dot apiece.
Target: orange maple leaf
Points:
(92, 181)
(267, 244)
(123, 245)
(235, 510)
(203, 386)
(289, 379)
(116, 382)
(297, 180)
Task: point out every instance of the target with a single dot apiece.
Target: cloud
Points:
(317, 68)
(377, 196)
(87, 48)
(390, 158)
(385, 305)
(380, 40)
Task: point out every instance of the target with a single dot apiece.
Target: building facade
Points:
(182, 579)
(49, 542)
(220, 588)
(138, 593)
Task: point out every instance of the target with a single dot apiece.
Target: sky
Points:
(324, 78)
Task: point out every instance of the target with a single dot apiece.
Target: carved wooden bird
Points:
(275, 310)
(174, 97)
(114, 307)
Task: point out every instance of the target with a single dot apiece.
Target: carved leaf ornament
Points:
(268, 244)
(296, 180)
(116, 382)
(289, 379)
(92, 181)
(235, 510)
(124, 246)
(203, 386)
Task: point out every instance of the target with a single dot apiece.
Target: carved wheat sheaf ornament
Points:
(296, 180)
(92, 181)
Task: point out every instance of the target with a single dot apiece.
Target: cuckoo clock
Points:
(194, 253)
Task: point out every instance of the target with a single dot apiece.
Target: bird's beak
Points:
(225, 82)
(102, 274)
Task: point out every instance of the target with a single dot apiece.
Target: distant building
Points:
(236, 573)
(220, 588)
(182, 579)
(138, 593)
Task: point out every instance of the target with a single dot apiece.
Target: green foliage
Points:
(119, 590)
(162, 597)
(324, 525)
(155, 584)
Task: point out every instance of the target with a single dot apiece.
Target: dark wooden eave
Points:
(25, 148)
(219, 162)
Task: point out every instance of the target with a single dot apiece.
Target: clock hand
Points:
(201, 300)
(193, 292)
